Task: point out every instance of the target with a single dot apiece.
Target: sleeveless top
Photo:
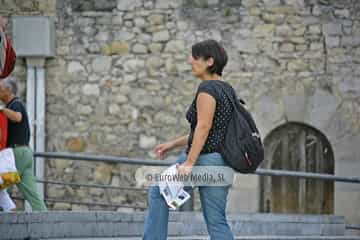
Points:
(222, 115)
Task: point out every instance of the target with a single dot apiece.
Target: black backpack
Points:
(242, 148)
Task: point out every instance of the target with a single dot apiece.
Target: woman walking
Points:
(208, 116)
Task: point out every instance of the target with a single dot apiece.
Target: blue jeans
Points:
(213, 203)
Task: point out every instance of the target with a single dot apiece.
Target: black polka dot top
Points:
(222, 114)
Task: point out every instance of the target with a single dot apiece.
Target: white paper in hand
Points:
(172, 189)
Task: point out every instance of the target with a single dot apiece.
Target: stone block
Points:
(284, 10)
(161, 36)
(273, 18)
(120, 99)
(114, 109)
(165, 4)
(345, 13)
(320, 109)
(287, 47)
(60, 164)
(246, 45)
(283, 30)
(298, 40)
(111, 224)
(332, 28)
(332, 42)
(102, 37)
(164, 118)
(316, 46)
(91, 89)
(76, 144)
(315, 29)
(139, 48)
(102, 173)
(124, 5)
(338, 55)
(156, 19)
(300, 30)
(105, 5)
(174, 46)
(155, 62)
(170, 67)
(272, 3)
(123, 36)
(147, 142)
(61, 229)
(133, 65)
(351, 41)
(79, 208)
(110, 229)
(75, 67)
(140, 22)
(264, 30)
(84, 109)
(117, 20)
(56, 192)
(47, 7)
(62, 206)
(112, 49)
(268, 111)
(13, 231)
(297, 65)
(295, 106)
(101, 64)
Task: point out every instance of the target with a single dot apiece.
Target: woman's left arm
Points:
(205, 105)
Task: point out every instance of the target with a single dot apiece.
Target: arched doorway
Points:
(297, 147)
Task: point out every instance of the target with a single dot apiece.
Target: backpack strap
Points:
(241, 108)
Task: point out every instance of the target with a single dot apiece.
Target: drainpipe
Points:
(35, 100)
(30, 99)
(34, 40)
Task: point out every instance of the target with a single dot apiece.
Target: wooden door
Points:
(297, 147)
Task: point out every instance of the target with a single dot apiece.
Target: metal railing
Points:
(151, 162)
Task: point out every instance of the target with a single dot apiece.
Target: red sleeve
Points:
(3, 129)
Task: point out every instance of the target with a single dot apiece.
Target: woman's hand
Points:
(185, 168)
(162, 149)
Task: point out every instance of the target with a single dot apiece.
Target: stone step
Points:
(114, 224)
(236, 238)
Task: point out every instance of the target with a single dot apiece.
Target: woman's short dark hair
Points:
(211, 49)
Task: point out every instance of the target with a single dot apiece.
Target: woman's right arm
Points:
(162, 149)
(181, 141)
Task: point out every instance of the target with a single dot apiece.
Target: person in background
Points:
(18, 140)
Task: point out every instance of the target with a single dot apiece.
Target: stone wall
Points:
(120, 83)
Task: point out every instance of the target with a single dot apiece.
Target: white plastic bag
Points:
(8, 172)
(7, 161)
